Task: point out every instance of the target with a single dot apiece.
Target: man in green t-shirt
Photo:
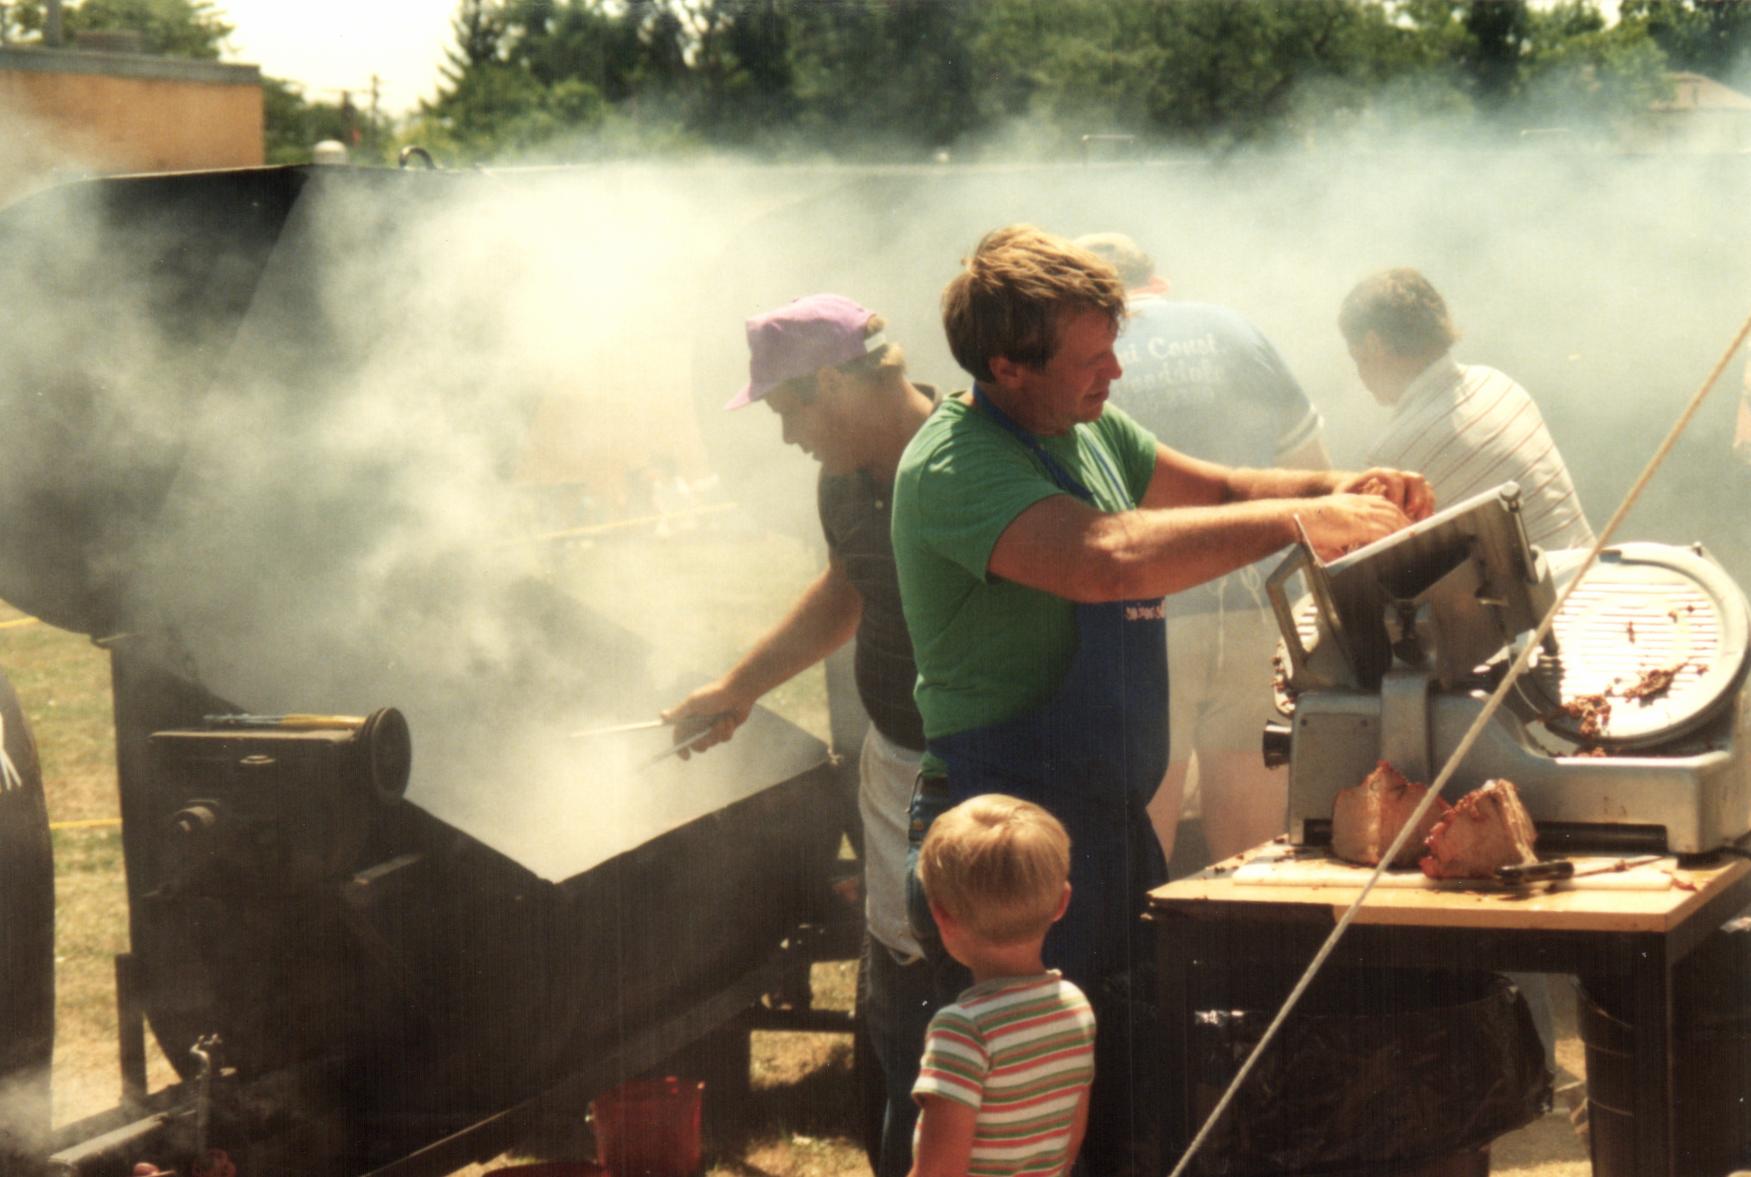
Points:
(1036, 532)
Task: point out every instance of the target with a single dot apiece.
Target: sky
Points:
(332, 45)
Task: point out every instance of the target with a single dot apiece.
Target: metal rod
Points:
(203, 1049)
(687, 729)
(130, 1030)
(642, 725)
(120, 1144)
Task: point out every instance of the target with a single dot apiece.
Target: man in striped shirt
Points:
(1003, 1085)
(1464, 427)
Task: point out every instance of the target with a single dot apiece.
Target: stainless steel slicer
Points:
(1628, 731)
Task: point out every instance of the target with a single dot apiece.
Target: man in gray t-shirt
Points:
(1207, 382)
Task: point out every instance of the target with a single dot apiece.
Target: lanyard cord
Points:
(1491, 706)
(1055, 470)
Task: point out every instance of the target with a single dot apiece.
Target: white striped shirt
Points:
(1467, 428)
(1021, 1051)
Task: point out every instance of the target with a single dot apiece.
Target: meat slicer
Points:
(1629, 731)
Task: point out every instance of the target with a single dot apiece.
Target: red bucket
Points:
(649, 1127)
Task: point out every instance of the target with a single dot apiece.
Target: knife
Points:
(1558, 869)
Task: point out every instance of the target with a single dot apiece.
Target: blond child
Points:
(1003, 1087)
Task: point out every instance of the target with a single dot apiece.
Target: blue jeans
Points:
(898, 1001)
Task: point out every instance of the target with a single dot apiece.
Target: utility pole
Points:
(376, 102)
(52, 25)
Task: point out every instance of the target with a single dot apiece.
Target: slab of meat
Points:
(1489, 827)
(1365, 818)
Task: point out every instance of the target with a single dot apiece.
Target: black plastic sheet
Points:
(1374, 1067)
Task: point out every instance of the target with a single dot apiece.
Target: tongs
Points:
(686, 731)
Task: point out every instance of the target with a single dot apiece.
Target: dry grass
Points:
(63, 684)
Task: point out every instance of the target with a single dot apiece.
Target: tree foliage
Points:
(915, 77)
(1711, 37)
(175, 28)
(295, 125)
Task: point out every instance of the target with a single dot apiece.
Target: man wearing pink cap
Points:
(841, 392)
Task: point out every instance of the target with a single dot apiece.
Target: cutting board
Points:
(1289, 866)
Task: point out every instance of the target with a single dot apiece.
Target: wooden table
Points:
(1596, 930)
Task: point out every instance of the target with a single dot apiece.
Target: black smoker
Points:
(354, 938)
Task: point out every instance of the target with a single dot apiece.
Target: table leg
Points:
(1651, 982)
(1175, 965)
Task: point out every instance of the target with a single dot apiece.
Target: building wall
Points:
(109, 113)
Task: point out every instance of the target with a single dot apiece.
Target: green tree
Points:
(859, 76)
(1201, 71)
(522, 73)
(1579, 73)
(1710, 37)
(872, 75)
(293, 126)
(176, 28)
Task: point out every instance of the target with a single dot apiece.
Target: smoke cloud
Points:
(307, 433)
(453, 442)
(313, 443)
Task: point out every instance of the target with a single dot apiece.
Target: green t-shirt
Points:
(988, 649)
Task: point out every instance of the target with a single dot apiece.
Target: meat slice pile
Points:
(1488, 828)
(1366, 818)
(1594, 712)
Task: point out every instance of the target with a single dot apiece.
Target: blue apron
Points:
(1093, 755)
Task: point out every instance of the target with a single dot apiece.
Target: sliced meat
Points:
(1653, 683)
(1365, 818)
(1489, 827)
(1594, 712)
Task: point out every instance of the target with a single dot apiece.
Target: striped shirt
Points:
(1020, 1050)
(1467, 428)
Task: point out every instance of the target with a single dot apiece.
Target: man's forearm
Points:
(1159, 552)
(1278, 483)
(822, 620)
(1061, 546)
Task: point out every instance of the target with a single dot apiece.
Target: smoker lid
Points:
(1643, 608)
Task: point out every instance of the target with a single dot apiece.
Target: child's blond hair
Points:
(998, 865)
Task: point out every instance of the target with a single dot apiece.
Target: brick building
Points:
(78, 112)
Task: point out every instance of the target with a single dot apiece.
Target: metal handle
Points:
(1536, 872)
(1299, 558)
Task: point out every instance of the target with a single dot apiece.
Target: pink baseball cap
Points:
(801, 337)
